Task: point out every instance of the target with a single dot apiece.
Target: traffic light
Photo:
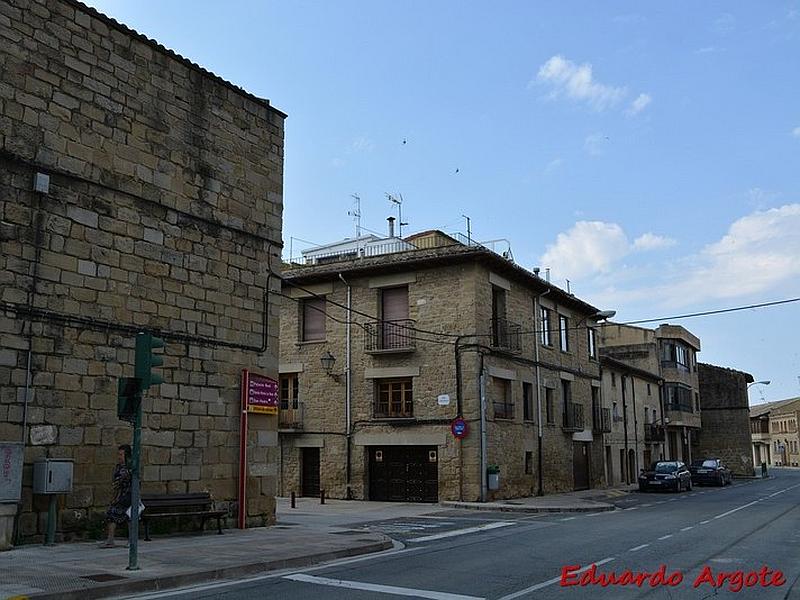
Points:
(128, 398)
(146, 360)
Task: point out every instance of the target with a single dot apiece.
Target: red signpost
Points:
(259, 394)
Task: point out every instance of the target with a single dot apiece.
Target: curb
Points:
(601, 507)
(156, 584)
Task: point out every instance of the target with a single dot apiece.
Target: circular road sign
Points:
(459, 428)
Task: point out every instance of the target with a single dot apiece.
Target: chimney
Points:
(391, 226)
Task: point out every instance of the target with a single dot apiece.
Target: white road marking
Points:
(738, 508)
(646, 505)
(594, 514)
(550, 582)
(382, 589)
(398, 549)
(631, 508)
(637, 548)
(568, 518)
(704, 522)
(665, 537)
(687, 528)
(457, 532)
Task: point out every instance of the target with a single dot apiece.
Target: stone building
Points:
(434, 332)
(725, 431)
(671, 351)
(637, 425)
(137, 192)
(774, 433)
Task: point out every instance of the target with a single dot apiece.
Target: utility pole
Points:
(469, 230)
(356, 214)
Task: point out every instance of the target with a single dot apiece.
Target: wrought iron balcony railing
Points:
(506, 335)
(390, 336)
(653, 432)
(291, 417)
(601, 420)
(573, 417)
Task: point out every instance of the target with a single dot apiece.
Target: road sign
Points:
(443, 400)
(459, 428)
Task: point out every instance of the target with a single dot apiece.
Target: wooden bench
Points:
(167, 506)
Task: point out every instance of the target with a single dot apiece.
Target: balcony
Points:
(291, 418)
(506, 335)
(601, 420)
(761, 436)
(573, 417)
(653, 432)
(387, 337)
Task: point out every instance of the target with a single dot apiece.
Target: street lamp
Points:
(765, 382)
(604, 315)
(327, 361)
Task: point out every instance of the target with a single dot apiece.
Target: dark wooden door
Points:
(309, 476)
(580, 465)
(403, 473)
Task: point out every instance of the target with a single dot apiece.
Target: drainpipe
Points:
(482, 394)
(536, 332)
(635, 431)
(348, 389)
(627, 462)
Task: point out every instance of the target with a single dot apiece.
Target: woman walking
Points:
(121, 484)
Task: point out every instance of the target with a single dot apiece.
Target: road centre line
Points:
(687, 528)
(457, 532)
(568, 518)
(704, 522)
(637, 548)
(550, 582)
(382, 589)
(664, 537)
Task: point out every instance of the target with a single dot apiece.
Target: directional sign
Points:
(459, 428)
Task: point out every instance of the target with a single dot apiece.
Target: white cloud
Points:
(757, 255)
(362, 144)
(592, 247)
(594, 143)
(796, 132)
(577, 83)
(651, 241)
(639, 104)
(708, 50)
(553, 165)
(724, 24)
(588, 247)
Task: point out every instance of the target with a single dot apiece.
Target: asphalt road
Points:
(463, 555)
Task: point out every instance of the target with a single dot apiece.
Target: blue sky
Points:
(649, 153)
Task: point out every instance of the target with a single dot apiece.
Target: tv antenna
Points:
(356, 214)
(469, 230)
(399, 203)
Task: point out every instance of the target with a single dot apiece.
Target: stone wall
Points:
(163, 213)
(725, 432)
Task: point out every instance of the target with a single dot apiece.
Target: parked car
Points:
(668, 475)
(710, 471)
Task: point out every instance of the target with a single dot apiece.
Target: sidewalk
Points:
(82, 571)
(580, 501)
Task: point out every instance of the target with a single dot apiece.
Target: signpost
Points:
(259, 394)
(459, 428)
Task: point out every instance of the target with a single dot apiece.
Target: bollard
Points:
(293, 504)
(322, 496)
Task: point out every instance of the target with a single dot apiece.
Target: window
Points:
(597, 415)
(675, 355)
(502, 399)
(529, 463)
(696, 402)
(655, 415)
(394, 398)
(527, 401)
(546, 336)
(592, 343)
(615, 411)
(566, 393)
(313, 316)
(678, 397)
(649, 393)
(394, 326)
(289, 393)
(548, 403)
(563, 332)
(613, 380)
(498, 316)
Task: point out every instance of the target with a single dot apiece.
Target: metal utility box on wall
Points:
(52, 476)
